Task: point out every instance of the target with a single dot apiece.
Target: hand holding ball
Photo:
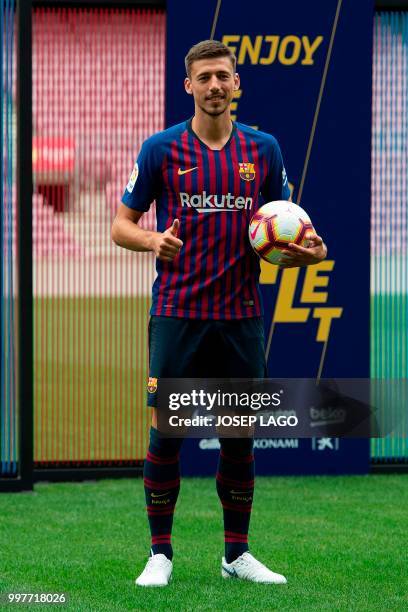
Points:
(277, 224)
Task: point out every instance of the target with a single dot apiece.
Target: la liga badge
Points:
(133, 178)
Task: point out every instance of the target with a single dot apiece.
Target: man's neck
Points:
(213, 131)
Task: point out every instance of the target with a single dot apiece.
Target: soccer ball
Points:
(276, 224)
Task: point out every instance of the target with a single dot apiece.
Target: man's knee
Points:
(154, 417)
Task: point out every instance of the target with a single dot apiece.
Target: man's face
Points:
(212, 83)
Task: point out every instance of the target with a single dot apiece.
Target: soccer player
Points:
(206, 175)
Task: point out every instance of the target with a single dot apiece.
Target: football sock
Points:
(161, 474)
(235, 487)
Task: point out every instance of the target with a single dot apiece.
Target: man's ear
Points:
(237, 81)
(187, 86)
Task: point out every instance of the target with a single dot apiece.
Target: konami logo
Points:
(215, 203)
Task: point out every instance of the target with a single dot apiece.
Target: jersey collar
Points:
(192, 132)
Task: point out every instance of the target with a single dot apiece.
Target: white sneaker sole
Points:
(149, 586)
(227, 575)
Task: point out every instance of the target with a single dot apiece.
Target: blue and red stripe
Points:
(234, 536)
(161, 460)
(216, 273)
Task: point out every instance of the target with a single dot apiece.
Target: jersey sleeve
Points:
(145, 181)
(275, 185)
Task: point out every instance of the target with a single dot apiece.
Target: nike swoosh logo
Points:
(253, 234)
(160, 494)
(230, 572)
(180, 171)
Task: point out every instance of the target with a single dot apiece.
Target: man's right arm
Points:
(126, 233)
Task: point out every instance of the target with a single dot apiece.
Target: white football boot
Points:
(247, 567)
(157, 572)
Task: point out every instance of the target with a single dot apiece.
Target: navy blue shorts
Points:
(193, 348)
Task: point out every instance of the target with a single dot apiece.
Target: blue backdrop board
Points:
(305, 71)
(282, 456)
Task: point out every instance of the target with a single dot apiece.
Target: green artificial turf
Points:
(341, 542)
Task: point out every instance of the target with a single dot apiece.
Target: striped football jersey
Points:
(214, 195)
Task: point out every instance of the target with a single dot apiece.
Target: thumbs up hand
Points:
(175, 227)
(166, 245)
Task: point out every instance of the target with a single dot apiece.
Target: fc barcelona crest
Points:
(152, 385)
(247, 171)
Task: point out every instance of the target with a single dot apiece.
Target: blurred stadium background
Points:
(97, 93)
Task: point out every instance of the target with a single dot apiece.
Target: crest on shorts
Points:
(246, 171)
(152, 385)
